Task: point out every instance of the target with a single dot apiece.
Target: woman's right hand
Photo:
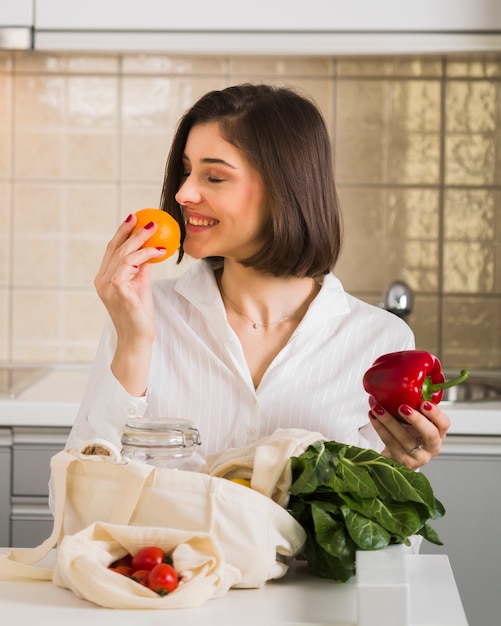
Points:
(123, 283)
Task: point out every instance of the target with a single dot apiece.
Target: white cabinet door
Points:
(16, 23)
(466, 478)
(294, 27)
(270, 15)
(16, 13)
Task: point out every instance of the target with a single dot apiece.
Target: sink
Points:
(474, 390)
(16, 379)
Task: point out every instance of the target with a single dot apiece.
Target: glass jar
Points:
(166, 443)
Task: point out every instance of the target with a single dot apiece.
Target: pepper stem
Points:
(429, 387)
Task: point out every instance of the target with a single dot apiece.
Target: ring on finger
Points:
(418, 446)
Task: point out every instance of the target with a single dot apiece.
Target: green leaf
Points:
(366, 533)
(430, 535)
(348, 498)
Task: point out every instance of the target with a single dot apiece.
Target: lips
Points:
(197, 220)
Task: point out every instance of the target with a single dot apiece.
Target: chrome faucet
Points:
(399, 299)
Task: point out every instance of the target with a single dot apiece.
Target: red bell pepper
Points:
(407, 377)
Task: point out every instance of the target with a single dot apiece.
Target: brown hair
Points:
(283, 136)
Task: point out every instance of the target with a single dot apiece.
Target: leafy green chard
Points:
(349, 498)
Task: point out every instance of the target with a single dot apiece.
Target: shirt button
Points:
(131, 411)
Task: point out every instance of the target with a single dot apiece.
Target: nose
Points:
(188, 193)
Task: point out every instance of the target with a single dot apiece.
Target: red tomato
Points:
(163, 579)
(141, 576)
(125, 570)
(147, 558)
(125, 560)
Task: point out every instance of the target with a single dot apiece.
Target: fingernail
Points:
(161, 249)
(372, 416)
(129, 217)
(406, 409)
(427, 406)
(149, 225)
(378, 409)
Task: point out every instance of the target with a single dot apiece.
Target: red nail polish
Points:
(129, 217)
(406, 409)
(149, 225)
(378, 409)
(427, 406)
(160, 248)
(372, 416)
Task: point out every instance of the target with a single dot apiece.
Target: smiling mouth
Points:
(198, 221)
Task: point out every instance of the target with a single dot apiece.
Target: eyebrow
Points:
(212, 160)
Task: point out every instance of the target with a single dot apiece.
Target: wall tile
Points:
(471, 107)
(5, 326)
(471, 215)
(367, 67)
(360, 158)
(39, 102)
(414, 158)
(5, 234)
(280, 66)
(424, 321)
(470, 159)
(5, 125)
(91, 102)
(36, 326)
(90, 156)
(39, 155)
(362, 106)
(64, 63)
(163, 64)
(468, 267)
(475, 66)
(472, 332)
(413, 213)
(415, 106)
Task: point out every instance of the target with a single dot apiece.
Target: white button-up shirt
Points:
(199, 372)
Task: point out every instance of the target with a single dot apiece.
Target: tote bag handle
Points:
(19, 563)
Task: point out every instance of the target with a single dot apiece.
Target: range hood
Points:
(280, 27)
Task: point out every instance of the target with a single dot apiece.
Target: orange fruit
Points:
(167, 235)
(241, 481)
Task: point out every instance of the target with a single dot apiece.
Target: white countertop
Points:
(391, 589)
(54, 400)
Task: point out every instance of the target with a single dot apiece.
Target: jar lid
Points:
(171, 433)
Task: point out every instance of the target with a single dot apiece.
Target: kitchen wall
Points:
(417, 147)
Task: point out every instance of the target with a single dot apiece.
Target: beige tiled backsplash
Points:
(417, 158)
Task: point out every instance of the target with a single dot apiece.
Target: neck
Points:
(264, 301)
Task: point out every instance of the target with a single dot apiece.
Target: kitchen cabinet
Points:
(5, 457)
(25, 453)
(279, 15)
(282, 26)
(466, 478)
(18, 13)
(16, 24)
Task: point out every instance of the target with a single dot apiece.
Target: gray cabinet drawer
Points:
(4, 495)
(29, 533)
(31, 469)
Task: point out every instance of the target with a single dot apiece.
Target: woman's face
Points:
(222, 198)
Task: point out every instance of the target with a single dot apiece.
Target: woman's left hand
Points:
(415, 442)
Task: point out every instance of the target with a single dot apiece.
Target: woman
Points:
(259, 334)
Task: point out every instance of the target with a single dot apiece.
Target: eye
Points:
(213, 179)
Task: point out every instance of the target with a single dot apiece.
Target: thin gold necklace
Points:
(257, 325)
